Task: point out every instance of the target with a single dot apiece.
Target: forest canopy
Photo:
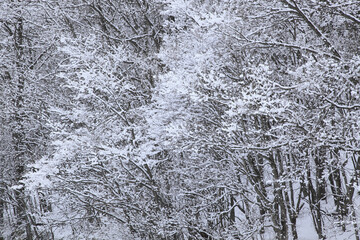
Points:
(179, 119)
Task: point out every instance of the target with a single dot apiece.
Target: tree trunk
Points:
(314, 204)
(1, 213)
(18, 135)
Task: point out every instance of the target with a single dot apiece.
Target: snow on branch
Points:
(313, 27)
(343, 106)
(342, 13)
(311, 50)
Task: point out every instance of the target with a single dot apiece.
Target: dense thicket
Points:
(181, 119)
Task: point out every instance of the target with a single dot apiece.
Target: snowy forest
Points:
(179, 119)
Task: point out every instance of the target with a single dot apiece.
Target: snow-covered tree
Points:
(181, 119)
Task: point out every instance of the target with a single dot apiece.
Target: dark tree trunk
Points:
(1, 212)
(315, 207)
(18, 135)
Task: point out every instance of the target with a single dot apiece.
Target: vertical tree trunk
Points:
(18, 135)
(355, 224)
(320, 167)
(280, 212)
(315, 205)
(232, 211)
(1, 213)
